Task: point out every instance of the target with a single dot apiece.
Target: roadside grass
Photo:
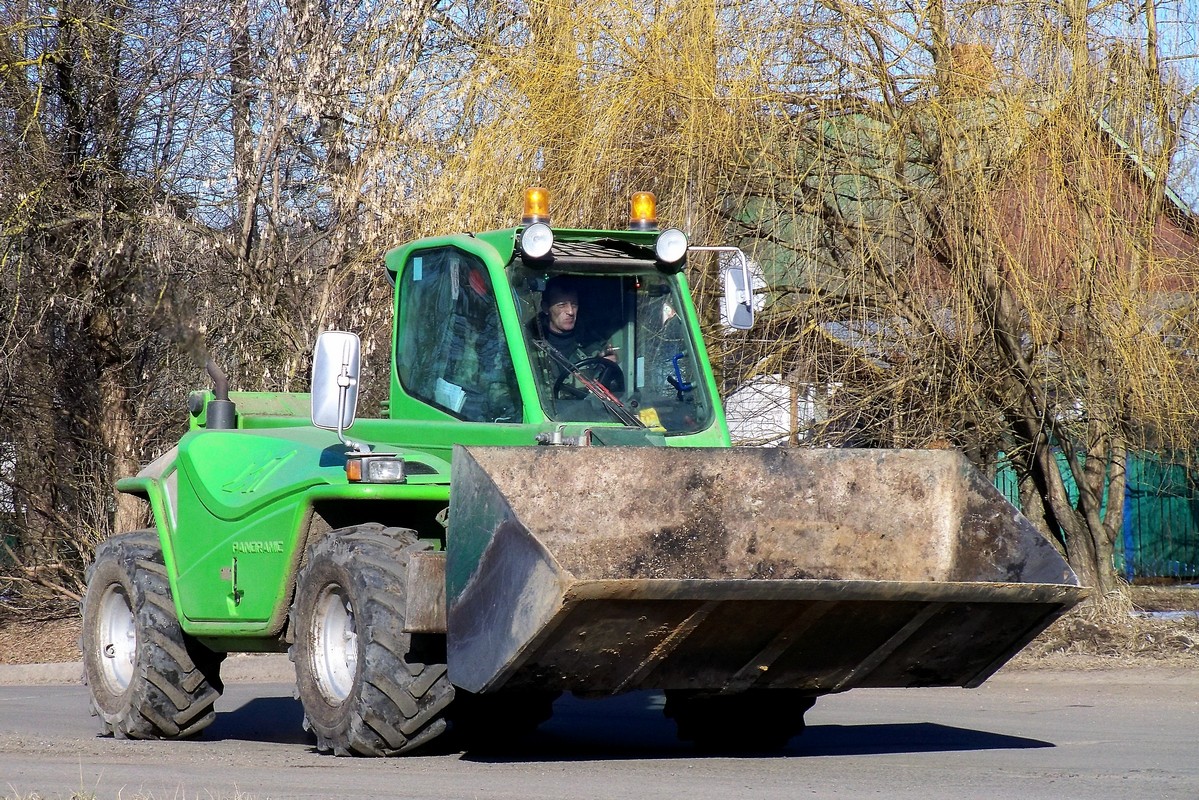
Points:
(1113, 631)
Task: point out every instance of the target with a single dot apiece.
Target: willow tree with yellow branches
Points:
(961, 211)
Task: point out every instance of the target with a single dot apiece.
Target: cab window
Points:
(628, 335)
(451, 351)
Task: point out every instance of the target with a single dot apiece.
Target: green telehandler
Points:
(547, 502)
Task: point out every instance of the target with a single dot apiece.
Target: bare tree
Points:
(178, 186)
(80, 194)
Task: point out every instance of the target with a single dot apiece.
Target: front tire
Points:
(367, 687)
(147, 678)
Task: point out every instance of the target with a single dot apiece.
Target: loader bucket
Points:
(606, 569)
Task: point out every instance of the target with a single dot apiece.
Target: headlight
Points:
(536, 240)
(671, 246)
(375, 469)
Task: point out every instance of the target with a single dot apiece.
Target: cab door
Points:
(455, 379)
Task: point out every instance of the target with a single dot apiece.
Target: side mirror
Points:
(739, 295)
(738, 289)
(336, 364)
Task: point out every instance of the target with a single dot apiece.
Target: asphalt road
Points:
(1092, 735)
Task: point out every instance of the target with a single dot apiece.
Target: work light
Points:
(536, 240)
(671, 246)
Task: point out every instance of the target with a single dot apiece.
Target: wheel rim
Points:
(117, 634)
(334, 645)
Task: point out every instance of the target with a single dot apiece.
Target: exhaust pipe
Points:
(222, 412)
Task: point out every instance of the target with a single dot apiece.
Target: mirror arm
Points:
(344, 381)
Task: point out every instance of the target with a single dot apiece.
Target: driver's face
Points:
(563, 313)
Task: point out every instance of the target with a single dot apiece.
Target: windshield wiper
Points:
(609, 400)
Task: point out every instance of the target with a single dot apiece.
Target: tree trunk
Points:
(121, 443)
(245, 168)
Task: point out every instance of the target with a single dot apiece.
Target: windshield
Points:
(610, 348)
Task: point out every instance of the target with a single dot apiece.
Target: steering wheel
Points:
(607, 372)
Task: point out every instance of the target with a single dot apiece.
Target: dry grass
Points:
(1114, 632)
(41, 642)
(1165, 598)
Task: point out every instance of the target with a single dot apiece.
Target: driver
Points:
(557, 323)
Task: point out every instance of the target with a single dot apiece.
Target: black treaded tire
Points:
(367, 687)
(147, 678)
(756, 720)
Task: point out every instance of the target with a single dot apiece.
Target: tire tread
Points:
(176, 680)
(396, 705)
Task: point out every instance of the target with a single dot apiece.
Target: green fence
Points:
(1160, 537)
(1161, 520)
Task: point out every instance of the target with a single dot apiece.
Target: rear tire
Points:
(756, 720)
(148, 679)
(367, 687)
